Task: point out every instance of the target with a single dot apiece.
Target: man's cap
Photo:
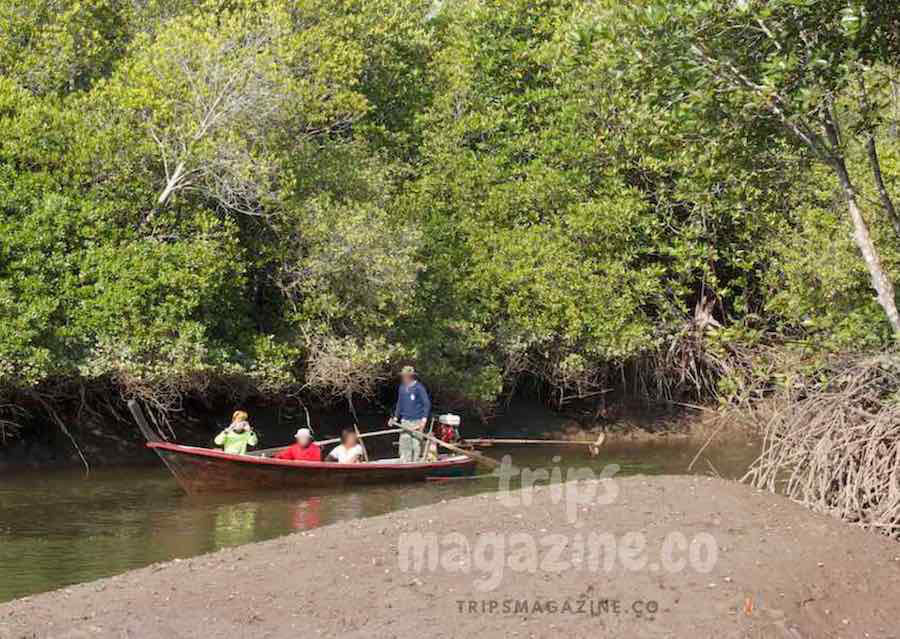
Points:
(408, 370)
(303, 432)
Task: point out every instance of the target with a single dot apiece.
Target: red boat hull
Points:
(203, 470)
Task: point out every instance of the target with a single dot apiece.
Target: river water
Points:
(59, 528)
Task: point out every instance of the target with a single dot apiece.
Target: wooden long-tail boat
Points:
(203, 470)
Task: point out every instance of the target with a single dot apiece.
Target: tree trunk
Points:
(886, 201)
(895, 95)
(171, 183)
(880, 281)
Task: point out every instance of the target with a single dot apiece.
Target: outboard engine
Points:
(448, 428)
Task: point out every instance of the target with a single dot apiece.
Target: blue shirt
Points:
(412, 402)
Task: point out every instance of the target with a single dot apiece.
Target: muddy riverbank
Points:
(775, 570)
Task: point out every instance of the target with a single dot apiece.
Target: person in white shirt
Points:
(349, 451)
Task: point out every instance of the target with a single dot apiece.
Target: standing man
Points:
(412, 410)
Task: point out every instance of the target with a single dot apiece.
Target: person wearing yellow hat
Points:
(238, 436)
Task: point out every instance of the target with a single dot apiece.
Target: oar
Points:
(594, 446)
(490, 441)
(389, 431)
(356, 427)
(361, 443)
(268, 452)
(487, 461)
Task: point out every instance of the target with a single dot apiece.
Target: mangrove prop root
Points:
(832, 442)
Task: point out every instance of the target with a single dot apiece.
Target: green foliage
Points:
(280, 196)
(815, 77)
(817, 281)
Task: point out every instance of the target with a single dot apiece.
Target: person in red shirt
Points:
(304, 450)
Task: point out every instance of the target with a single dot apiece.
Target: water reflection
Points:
(306, 514)
(58, 528)
(235, 525)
